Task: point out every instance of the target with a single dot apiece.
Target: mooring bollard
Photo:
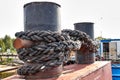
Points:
(87, 27)
(38, 16)
(42, 16)
(43, 46)
(84, 55)
(48, 50)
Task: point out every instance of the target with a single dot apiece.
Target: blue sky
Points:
(105, 14)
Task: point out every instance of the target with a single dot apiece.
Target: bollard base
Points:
(49, 73)
(85, 58)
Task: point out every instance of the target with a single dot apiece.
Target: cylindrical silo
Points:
(42, 16)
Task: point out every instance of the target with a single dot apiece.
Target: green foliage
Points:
(2, 45)
(7, 43)
(100, 38)
(5, 61)
(13, 50)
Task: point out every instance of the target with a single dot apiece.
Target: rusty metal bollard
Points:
(40, 16)
(84, 56)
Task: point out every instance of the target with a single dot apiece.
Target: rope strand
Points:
(50, 48)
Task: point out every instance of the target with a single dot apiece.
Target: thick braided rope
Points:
(42, 36)
(87, 42)
(50, 49)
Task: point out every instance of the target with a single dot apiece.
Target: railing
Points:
(7, 56)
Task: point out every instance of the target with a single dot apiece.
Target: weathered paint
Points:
(113, 50)
(99, 70)
(42, 16)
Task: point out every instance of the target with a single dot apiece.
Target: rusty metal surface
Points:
(86, 71)
(82, 56)
(100, 70)
(85, 58)
(20, 43)
(103, 73)
(49, 73)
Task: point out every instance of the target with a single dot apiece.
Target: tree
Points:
(13, 50)
(99, 38)
(8, 42)
(2, 45)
